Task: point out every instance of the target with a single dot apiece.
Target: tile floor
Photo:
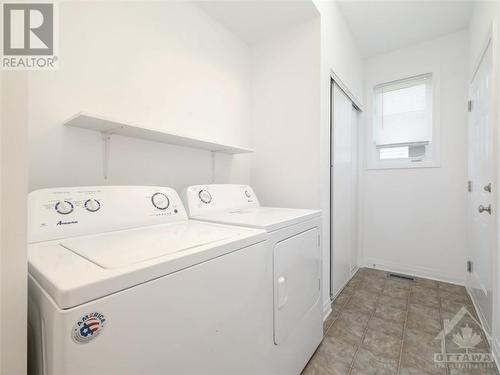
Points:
(382, 325)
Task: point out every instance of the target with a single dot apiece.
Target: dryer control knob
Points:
(92, 205)
(160, 201)
(205, 196)
(247, 194)
(64, 207)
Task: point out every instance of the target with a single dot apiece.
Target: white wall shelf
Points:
(109, 127)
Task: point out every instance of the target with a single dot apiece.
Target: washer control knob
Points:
(160, 201)
(92, 205)
(205, 196)
(64, 207)
(247, 194)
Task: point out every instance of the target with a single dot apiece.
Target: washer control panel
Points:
(92, 205)
(64, 207)
(160, 201)
(68, 212)
(205, 196)
(208, 199)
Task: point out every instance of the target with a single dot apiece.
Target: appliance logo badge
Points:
(88, 327)
(60, 222)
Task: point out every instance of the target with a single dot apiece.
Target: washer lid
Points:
(268, 218)
(79, 270)
(115, 250)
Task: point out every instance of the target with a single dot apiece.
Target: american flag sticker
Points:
(88, 327)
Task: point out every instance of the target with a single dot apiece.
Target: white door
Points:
(481, 210)
(342, 193)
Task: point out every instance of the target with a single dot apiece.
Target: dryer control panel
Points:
(209, 199)
(74, 211)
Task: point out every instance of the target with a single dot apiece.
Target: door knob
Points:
(482, 209)
(487, 188)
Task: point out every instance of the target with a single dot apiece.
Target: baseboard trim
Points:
(327, 306)
(495, 349)
(428, 273)
(492, 340)
(480, 314)
(327, 309)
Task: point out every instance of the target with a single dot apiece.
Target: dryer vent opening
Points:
(399, 276)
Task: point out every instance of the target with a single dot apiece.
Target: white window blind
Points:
(403, 114)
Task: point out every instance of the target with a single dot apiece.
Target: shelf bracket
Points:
(106, 140)
(213, 165)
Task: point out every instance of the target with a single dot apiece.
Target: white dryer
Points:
(294, 240)
(121, 282)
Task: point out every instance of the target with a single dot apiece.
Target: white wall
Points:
(13, 190)
(339, 51)
(291, 114)
(486, 16)
(339, 54)
(166, 65)
(285, 117)
(414, 220)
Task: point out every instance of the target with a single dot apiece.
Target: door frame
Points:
(335, 80)
(489, 40)
(13, 221)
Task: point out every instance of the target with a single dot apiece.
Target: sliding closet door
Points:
(354, 187)
(341, 189)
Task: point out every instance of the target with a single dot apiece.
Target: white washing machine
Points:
(121, 282)
(294, 240)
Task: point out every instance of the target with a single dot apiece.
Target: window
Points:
(402, 133)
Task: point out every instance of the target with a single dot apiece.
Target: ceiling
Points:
(253, 21)
(383, 26)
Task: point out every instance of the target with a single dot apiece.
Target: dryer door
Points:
(296, 281)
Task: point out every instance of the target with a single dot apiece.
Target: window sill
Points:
(402, 165)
